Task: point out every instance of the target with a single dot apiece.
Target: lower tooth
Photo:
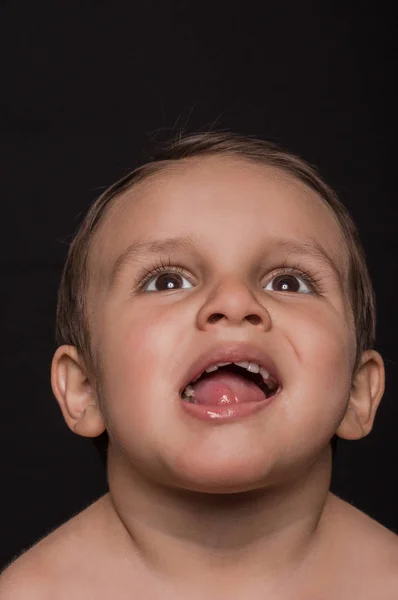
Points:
(189, 399)
(188, 394)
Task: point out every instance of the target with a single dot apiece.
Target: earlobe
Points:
(366, 392)
(75, 394)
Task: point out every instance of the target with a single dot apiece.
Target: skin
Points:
(237, 510)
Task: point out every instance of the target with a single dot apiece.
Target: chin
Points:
(236, 475)
(226, 489)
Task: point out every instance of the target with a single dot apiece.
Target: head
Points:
(244, 208)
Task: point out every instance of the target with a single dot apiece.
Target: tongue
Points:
(226, 388)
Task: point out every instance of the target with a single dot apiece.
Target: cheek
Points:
(323, 346)
(137, 344)
(323, 337)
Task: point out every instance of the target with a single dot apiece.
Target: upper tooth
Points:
(254, 368)
(215, 367)
(245, 364)
(272, 384)
(189, 391)
(250, 366)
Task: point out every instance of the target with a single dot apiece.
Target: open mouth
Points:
(231, 383)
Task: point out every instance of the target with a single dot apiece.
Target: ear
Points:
(367, 389)
(75, 393)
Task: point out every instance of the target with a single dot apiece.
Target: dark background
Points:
(85, 88)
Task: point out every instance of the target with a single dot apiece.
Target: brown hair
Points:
(72, 325)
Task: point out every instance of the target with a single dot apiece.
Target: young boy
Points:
(216, 318)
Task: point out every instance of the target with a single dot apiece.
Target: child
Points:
(216, 318)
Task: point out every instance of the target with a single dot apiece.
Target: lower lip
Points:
(224, 413)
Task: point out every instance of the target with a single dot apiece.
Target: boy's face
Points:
(243, 221)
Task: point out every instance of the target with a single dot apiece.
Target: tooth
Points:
(189, 391)
(253, 368)
(272, 384)
(264, 373)
(189, 399)
(210, 369)
(188, 394)
(223, 364)
(243, 364)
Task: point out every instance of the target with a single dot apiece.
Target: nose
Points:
(233, 303)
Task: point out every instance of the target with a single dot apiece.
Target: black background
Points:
(85, 88)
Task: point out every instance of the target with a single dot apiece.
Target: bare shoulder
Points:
(25, 579)
(365, 550)
(56, 559)
(362, 529)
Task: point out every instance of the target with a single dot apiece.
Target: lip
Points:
(223, 414)
(230, 352)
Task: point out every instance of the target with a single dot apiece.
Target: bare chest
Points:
(364, 586)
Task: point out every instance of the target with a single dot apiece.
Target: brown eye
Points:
(167, 281)
(288, 283)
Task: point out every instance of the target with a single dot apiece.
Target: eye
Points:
(165, 282)
(289, 283)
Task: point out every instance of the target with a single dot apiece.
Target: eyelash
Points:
(157, 269)
(308, 276)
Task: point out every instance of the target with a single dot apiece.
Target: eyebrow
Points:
(312, 249)
(145, 248)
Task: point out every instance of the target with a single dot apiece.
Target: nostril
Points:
(215, 317)
(253, 319)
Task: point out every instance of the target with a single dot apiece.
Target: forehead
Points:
(226, 205)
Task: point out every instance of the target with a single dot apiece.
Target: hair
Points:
(72, 324)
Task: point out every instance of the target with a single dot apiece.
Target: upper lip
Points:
(230, 352)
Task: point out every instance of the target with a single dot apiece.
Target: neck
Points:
(264, 533)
